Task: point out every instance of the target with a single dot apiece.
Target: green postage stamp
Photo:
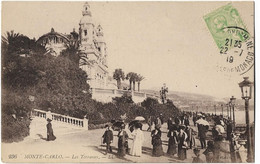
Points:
(232, 38)
(220, 23)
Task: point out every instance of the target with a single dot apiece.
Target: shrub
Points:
(14, 130)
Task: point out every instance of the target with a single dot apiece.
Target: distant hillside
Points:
(183, 95)
(193, 101)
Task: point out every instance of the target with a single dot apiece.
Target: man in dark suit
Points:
(108, 139)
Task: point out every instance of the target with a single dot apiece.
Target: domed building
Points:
(91, 46)
(93, 56)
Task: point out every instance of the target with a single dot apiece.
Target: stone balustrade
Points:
(76, 122)
(106, 95)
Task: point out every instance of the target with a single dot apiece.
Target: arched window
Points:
(86, 32)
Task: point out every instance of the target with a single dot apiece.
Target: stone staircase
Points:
(38, 128)
(62, 125)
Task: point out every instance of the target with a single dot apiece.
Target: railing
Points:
(139, 94)
(96, 92)
(76, 122)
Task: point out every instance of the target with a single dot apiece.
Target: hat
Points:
(138, 125)
(48, 119)
(107, 126)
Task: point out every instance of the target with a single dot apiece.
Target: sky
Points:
(166, 42)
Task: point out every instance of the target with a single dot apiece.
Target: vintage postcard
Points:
(145, 82)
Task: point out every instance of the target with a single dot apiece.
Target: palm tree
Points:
(139, 79)
(135, 77)
(10, 38)
(72, 53)
(17, 44)
(119, 75)
(130, 77)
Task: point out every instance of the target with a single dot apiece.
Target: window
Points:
(86, 32)
(99, 49)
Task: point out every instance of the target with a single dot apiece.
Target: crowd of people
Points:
(215, 134)
(217, 138)
(123, 147)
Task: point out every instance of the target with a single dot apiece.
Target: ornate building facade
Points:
(92, 50)
(91, 47)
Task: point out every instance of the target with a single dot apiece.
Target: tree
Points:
(124, 99)
(139, 79)
(150, 104)
(19, 75)
(131, 76)
(72, 53)
(135, 76)
(119, 75)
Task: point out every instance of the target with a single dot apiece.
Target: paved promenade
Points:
(74, 145)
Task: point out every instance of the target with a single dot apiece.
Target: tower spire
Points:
(86, 9)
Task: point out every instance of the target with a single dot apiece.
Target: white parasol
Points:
(140, 118)
(202, 122)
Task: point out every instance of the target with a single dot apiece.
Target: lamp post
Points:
(227, 110)
(230, 110)
(222, 110)
(232, 100)
(215, 107)
(246, 89)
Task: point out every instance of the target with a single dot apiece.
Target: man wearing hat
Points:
(108, 139)
(50, 135)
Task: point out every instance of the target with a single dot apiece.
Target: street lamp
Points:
(222, 110)
(215, 107)
(227, 110)
(246, 89)
(230, 110)
(232, 100)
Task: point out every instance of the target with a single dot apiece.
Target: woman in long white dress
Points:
(138, 138)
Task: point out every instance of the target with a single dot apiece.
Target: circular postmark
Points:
(237, 51)
(236, 46)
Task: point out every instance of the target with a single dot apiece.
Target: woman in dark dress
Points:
(122, 141)
(182, 144)
(50, 135)
(172, 143)
(157, 142)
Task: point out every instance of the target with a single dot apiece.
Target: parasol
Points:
(140, 118)
(202, 122)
